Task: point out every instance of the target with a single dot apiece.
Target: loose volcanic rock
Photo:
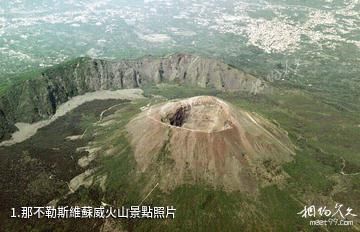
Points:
(206, 140)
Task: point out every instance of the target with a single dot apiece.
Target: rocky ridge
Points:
(38, 98)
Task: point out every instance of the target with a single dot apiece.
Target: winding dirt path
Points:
(26, 130)
(106, 110)
(342, 169)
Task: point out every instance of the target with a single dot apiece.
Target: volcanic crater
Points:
(207, 140)
(202, 114)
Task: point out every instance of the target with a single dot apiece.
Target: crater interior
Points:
(203, 113)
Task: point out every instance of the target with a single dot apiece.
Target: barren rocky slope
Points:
(208, 140)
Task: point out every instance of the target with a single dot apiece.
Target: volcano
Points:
(207, 140)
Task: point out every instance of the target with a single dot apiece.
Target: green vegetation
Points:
(174, 91)
(14, 79)
(6, 81)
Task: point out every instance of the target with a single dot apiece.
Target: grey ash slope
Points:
(38, 98)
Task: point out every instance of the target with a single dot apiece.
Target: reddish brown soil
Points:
(208, 140)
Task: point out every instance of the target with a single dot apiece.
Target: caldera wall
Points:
(32, 100)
